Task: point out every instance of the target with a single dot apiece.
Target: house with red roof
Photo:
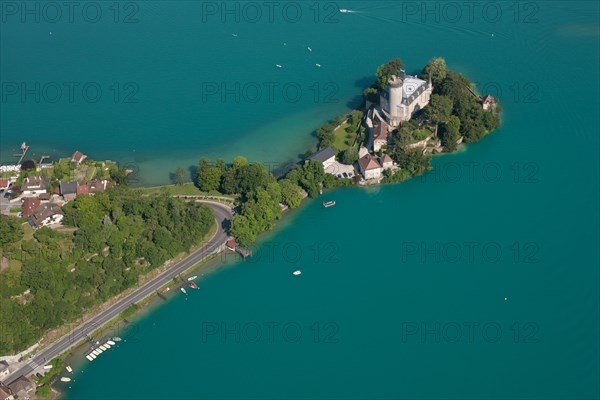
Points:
(370, 167)
(29, 205)
(78, 157)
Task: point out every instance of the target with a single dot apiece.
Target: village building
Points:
(325, 156)
(34, 185)
(68, 190)
(404, 96)
(4, 372)
(386, 162)
(22, 387)
(5, 393)
(370, 167)
(45, 197)
(29, 205)
(46, 215)
(362, 151)
(78, 157)
(380, 136)
(4, 183)
(488, 103)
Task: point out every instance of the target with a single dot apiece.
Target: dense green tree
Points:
(385, 71)
(208, 176)
(435, 69)
(450, 133)
(180, 176)
(291, 193)
(350, 155)
(10, 230)
(439, 109)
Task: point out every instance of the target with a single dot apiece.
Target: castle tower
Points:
(395, 99)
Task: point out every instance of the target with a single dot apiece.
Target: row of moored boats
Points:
(102, 348)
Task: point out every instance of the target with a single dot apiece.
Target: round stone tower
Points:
(395, 99)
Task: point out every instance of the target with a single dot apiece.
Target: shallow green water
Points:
(392, 303)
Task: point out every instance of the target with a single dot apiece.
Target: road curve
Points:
(214, 245)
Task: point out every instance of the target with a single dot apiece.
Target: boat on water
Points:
(318, 65)
(99, 350)
(191, 278)
(192, 285)
(106, 345)
(89, 357)
(111, 342)
(102, 348)
(47, 366)
(165, 290)
(94, 352)
(278, 65)
(309, 49)
(69, 368)
(329, 203)
(343, 10)
(65, 379)
(183, 291)
(297, 272)
(117, 339)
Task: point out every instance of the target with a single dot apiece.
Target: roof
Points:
(4, 393)
(368, 162)
(489, 99)
(231, 243)
(29, 205)
(3, 183)
(34, 183)
(22, 383)
(68, 188)
(78, 157)
(44, 196)
(386, 158)
(83, 188)
(3, 366)
(323, 155)
(380, 132)
(44, 211)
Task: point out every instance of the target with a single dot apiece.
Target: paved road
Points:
(222, 213)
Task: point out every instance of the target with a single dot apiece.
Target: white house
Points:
(386, 162)
(325, 156)
(404, 96)
(34, 185)
(45, 215)
(370, 167)
(380, 135)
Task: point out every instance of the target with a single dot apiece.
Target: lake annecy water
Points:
(477, 281)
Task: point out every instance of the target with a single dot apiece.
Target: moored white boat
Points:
(191, 278)
(329, 203)
(65, 379)
(99, 350)
(278, 65)
(183, 291)
(102, 348)
(111, 342)
(318, 65)
(297, 272)
(106, 345)
(117, 339)
(89, 357)
(69, 368)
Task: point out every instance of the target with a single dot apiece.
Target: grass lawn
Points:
(187, 189)
(340, 138)
(91, 171)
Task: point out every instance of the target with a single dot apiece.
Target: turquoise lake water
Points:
(477, 281)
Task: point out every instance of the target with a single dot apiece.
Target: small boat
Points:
(93, 355)
(102, 348)
(89, 357)
(278, 65)
(99, 350)
(234, 34)
(69, 368)
(94, 352)
(65, 379)
(183, 291)
(318, 65)
(329, 203)
(165, 290)
(297, 272)
(192, 285)
(343, 10)
(191, 278)
(111, 342)
(106, 345)
(309, 49)
(117, 339)
(47, 366)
